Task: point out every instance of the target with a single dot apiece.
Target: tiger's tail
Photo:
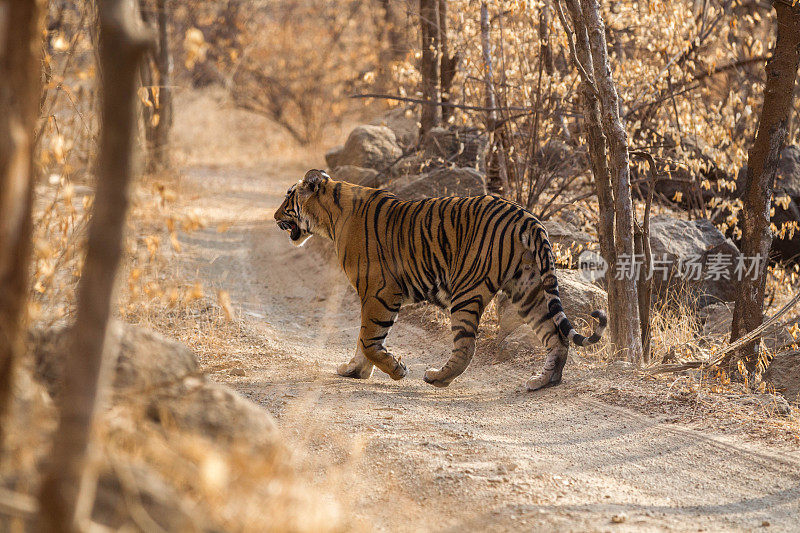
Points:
(541, 250)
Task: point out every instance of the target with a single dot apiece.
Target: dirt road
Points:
(479, 455)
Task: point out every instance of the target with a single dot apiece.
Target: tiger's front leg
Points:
(359, 366)
(377, 318)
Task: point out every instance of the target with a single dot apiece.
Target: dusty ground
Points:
(479, 455)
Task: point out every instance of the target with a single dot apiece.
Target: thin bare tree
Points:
(156, 74)
(430, 64)
(448, 63)
(20, 89)
(496, 170)
(762, 165)
(67, 489)
(608, 152)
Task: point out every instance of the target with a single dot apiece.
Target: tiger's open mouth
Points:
(291, 227)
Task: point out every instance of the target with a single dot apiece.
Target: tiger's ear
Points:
(314, 178)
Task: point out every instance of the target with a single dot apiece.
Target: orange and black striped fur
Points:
(455, 252)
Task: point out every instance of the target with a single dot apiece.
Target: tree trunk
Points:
(592, 61)
(395, 44)
(544, 38)
(156, 74)
(67, 488)
(20, 89)
(762, 162)
(496, 175)
(448, 62)
(626, 306)
(430, 66)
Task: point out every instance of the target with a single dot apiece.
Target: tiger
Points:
(454, 252)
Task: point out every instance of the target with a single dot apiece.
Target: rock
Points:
(404, 123)
(214, 411)
(784, 374)
(619, 518)
(787, 182)
(366, 177)
(454, 147)
(787, 178)
(162, 504)
(716, 320)
(684, 256)
(368, 146)
(567, 240)
(412, 165)
(442, 182)
(519, 341)
(142, 358)
(164, 377)
(578, 297)
(332, 156)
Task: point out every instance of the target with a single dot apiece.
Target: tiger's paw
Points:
(355, 370)
(541, 381)
(434, 377)
(400, 371)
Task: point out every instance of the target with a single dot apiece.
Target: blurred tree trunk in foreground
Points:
(156, 72)
(67, 490)
(430, 65)
(20, 88)
(762, 164)
(608, 152)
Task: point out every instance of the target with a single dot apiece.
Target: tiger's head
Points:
(299, 214)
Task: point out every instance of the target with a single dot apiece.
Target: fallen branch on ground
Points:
(716, 358)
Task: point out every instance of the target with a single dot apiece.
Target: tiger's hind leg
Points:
(557, 352)
(464, 319)
(530, 296)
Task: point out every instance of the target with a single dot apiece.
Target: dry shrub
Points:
(300, 61)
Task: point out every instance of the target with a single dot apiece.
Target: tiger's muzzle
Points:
(292, 227)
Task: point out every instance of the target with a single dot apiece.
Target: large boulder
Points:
(783, 373)
(164, 378)
(716, 320)
(368, 146)
(332, 156)
(212, 410)
(142, 358)
(366, 177)
(787, 183)
(568, 241)
(438, 183)
(578, 297)
(692, 258)
(404, 123)
(162, 504)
